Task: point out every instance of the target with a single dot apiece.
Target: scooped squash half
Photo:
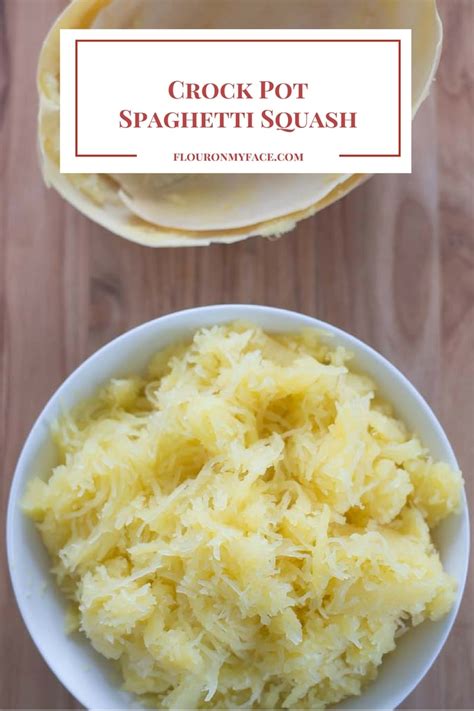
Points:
(189, 210)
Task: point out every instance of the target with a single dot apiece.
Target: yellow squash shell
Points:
(195, 210)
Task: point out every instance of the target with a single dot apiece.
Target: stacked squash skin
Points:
(195, 210)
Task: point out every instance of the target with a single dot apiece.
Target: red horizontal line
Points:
(106, 155)
(238, 40)
(369, 155)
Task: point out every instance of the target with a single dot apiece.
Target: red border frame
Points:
(341, 155)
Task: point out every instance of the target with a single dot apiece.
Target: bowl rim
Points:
(246, 314)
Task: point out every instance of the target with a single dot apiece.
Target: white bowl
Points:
(87, 675)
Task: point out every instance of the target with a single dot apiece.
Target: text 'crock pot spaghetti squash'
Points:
(246, 526)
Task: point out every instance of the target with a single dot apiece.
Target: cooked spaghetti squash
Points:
(248, 525)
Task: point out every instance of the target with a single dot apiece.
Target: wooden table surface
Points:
(393, 263)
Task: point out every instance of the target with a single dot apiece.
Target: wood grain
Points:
(393, 263)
